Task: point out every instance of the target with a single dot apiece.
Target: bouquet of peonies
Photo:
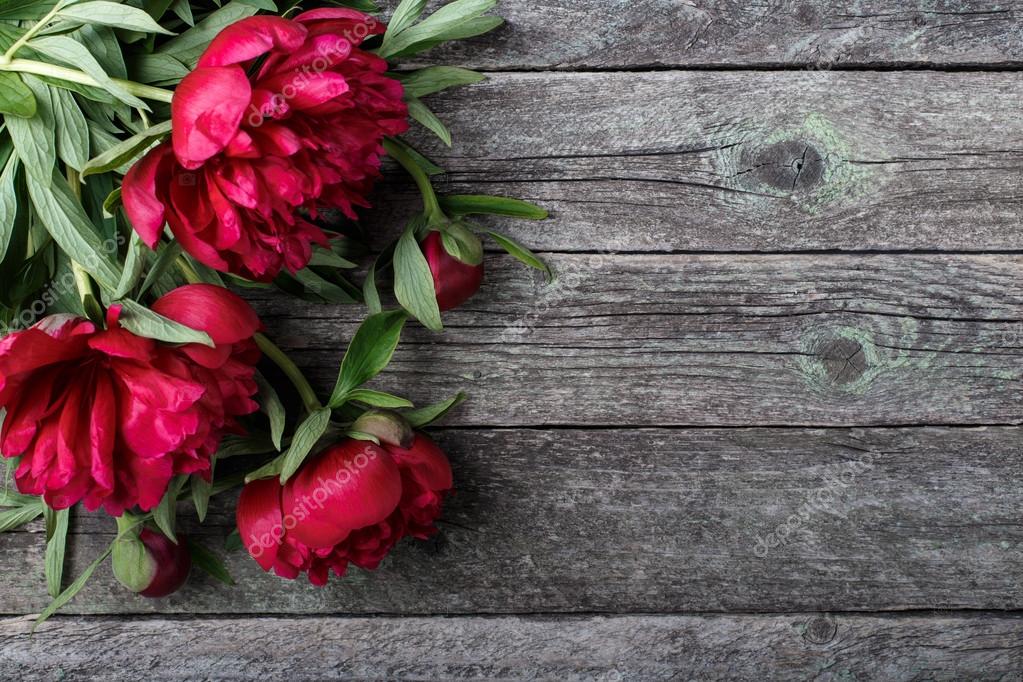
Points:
(154, 155)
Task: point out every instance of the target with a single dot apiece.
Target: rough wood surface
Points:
(652, 520)
(741, 161)
(821, 34)
(709, 340)
(799, 646)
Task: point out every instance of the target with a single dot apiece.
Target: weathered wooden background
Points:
(766, 424)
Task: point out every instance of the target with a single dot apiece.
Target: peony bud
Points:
(389, 427)
(456, 276)
(149, 563)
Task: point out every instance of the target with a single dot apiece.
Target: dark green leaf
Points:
(127, 151)
(421, 113)
(209, 562)
(168, 254)
(15, 97)
(405, 14)
(468, 29)
(65, 219)
(56, 544)
(25, 9)
(72, 131)
(442, 22)
(437, 78)
(330, 292)
(8, 202)
(33, 138)
(431, 413)
(413, 281)
(187, 47)
(469, 204)
(201, 491)
(73, 589)
(369, 352)
(233, 542)
(143, 322)
(134, 261)
(306, 436)
(376, 398)
(520, 252)
(166, 513)
(19, 516)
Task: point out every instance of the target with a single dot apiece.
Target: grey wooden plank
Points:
(822, 34)
(652, 520)
(708, 340)
(822, 647)
(740, 161)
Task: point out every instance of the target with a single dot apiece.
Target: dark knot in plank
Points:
(843, 359)
(790, 165)
(820, 630)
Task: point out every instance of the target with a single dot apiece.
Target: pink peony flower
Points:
(280, 117)
(107, 417)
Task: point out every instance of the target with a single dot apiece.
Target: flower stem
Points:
(75, 76)
(430, 203)
(29, 35)
(281, 359)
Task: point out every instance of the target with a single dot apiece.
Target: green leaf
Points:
(369, 352)
(431, 413)
(233, 542)
(421, 113)
(25, 9)
(369, 289)
(127, 151)
(19, 516)
(187, 47)
(209, 562)
(113, 14)
(66, 221)
(8, 202)
(157, 69)
(362, 435)
(268, 470)
(272, 406)
(76, 55)
(520, 252)
(183, 8)
(306, 436)
(327, 290)
(73, 589)
(468, 29)
(134, 261)
(376, 398)
(33, 138)
(72, 131)
(404, 16)
(413, 281)
(166, 257)
(15, 97)
(142, 321)
(56, 545)
(201, 491)
(445, 20)
(470, 204)
(166, 513)
(241, 446)
(462, 243)
(437, 78)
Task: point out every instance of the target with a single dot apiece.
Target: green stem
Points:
(75, 76)
(29, 35)
(189, 273)
(430, 203)
(281, 359)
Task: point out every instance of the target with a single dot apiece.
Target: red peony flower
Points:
(351, 504)
(108, 417)
(454, 281)
(279, 118)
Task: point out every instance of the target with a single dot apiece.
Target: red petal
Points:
(225, 316)
(260, 522)
(138, 192)
(426, 462)
(251, 38)
(207, 109)
(350, 486)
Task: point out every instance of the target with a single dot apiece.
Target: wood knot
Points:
(843, 359)
(820, 630)
(790, 165)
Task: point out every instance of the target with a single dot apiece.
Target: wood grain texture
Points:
(610, 649)
(734, 340)
(650, 520)
(745, 161)
(822, 34)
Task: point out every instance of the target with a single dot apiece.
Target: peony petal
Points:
(207, 110)
(146, 212)
(224, 315)
(350, 486)
(260, 522)
(426, 462)
(250, 38)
